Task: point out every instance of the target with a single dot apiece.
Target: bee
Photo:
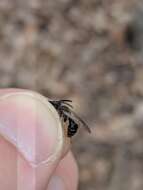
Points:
(65, 111)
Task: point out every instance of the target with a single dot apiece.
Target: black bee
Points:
(64, 109)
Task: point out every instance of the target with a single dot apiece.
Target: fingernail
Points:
(30, 123)
(56, 183)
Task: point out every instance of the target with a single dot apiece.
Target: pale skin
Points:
(33, 155)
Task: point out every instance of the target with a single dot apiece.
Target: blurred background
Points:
(90, 51)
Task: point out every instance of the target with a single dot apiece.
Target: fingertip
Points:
(32, 124)
(66, 174)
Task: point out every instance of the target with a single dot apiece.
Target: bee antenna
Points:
(66, 100)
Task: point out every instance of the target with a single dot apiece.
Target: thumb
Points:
(32, 140)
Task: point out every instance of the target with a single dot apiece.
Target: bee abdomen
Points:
(72, 128)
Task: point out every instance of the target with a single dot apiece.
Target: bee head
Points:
(56, 104)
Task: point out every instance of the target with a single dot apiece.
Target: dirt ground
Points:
(89, 51)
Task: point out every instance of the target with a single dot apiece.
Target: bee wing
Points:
(83, 122)
(72, 114)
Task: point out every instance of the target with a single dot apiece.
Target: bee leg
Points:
(65, 117)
